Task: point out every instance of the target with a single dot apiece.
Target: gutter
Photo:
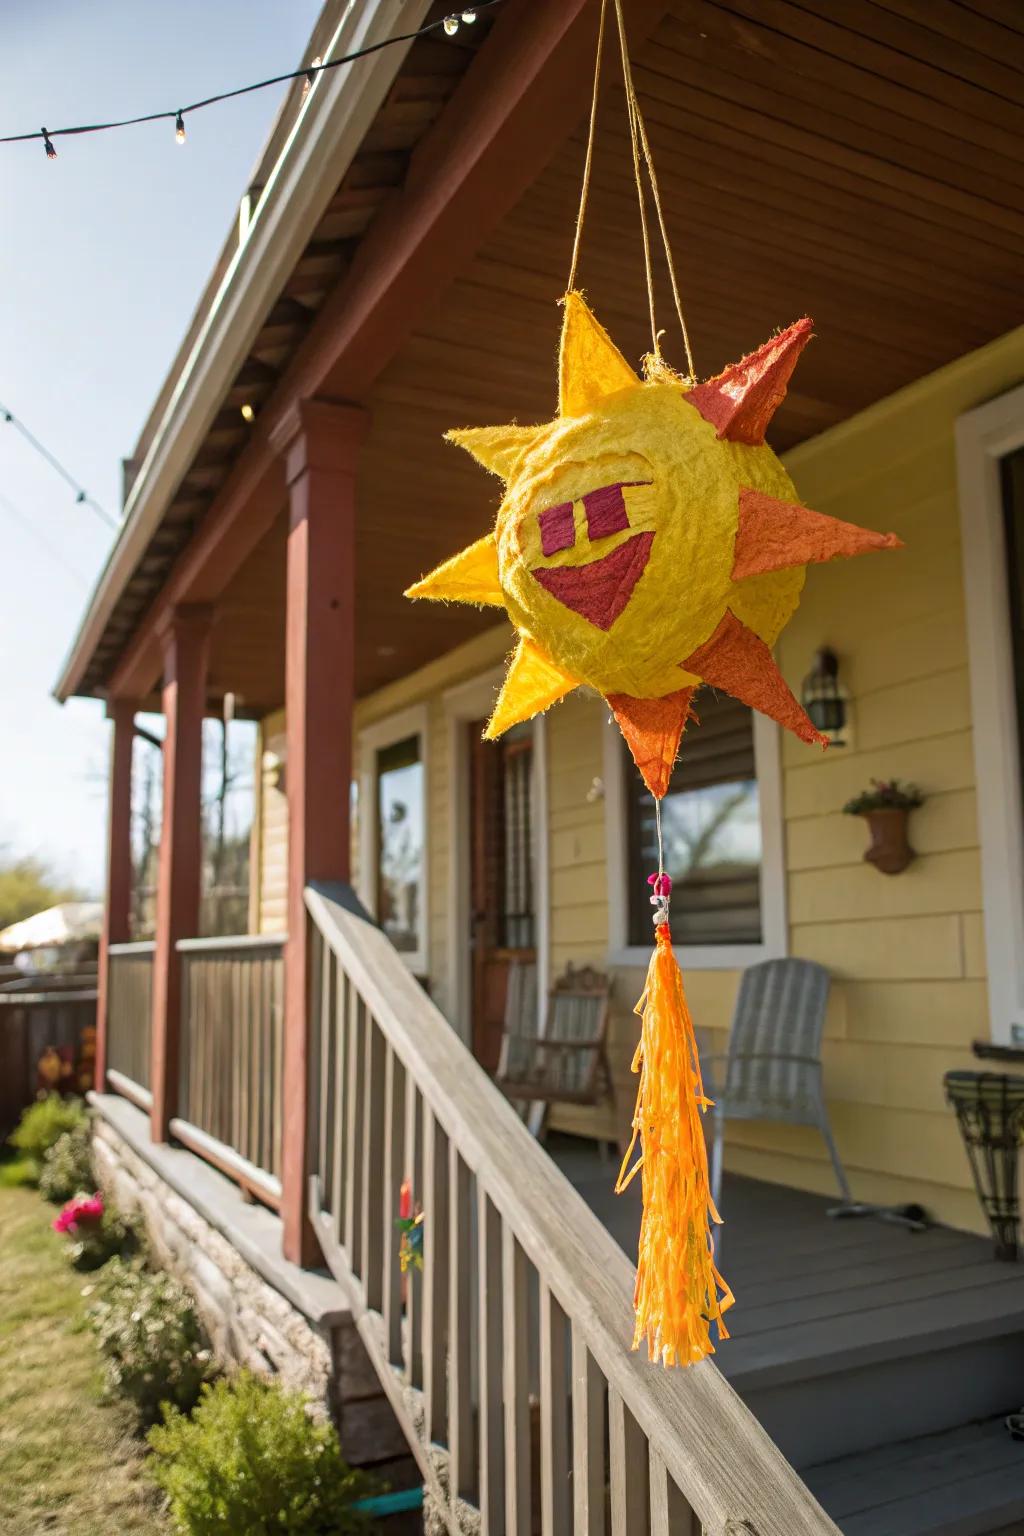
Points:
(325, 137)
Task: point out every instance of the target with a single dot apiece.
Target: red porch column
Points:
(185, 643)
(117, 907)
(319, 442)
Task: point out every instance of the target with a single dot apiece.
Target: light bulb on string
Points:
(248, 413)
(179, 129)
(451, 25)
(469, 17)
(51, 153)
(311, 75)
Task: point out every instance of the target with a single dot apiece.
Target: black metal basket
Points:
(990, 1110)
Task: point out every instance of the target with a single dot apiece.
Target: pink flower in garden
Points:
(86, 1209)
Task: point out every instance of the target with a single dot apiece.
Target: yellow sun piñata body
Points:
(648, 541)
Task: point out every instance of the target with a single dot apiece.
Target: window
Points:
(723, 837)
(392, 836)
(990, 468)
(400, 843)
(711, 832)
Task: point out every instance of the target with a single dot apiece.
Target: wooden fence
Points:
(37, 1013)
(229, 1098)
(515, 1335)
(129, 1016)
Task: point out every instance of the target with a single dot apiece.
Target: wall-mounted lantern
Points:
(825, 698)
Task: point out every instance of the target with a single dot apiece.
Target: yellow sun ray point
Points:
(533, 683)
(468, 577)
(590, 367)
(498, 449)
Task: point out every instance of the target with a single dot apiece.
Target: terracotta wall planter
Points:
(889, 849)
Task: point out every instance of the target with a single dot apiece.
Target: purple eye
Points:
(556, 529)
(606, 511)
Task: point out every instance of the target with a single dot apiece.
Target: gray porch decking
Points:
(867, 1351)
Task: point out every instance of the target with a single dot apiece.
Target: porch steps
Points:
(967, 1481)
(859, 1344)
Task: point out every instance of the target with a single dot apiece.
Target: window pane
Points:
(711, 827)
(400, 842)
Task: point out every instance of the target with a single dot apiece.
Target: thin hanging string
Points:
(638, 132)
(633, 113)
(588, 163)
(661, 848)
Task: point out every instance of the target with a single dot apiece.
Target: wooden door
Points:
(501, 876)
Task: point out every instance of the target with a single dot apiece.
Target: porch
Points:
(880, 1362)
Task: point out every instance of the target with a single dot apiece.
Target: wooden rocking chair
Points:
(568, 1063)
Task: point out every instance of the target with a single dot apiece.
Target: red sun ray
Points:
(739, 662)
(776, 535)
(653, 729)
(742, 400)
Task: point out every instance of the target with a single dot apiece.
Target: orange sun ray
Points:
(774, 535)
(653, 729)
(741, 401)
(738, 661)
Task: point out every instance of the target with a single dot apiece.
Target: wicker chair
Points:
(569, 1062)
(773, 1065)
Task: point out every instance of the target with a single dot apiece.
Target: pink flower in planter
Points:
(85, 1211)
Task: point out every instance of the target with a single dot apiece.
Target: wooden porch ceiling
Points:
(858, 162)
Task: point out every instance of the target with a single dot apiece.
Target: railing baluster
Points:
(414, 1279)
(516, 1385)
(554, 1417)
(490, 1309)
(460, 1302)
(335, 1014)
(373, 1158)
(587, 1439)
(314, 1075)
(328, 1106)
(671, 1515)
(435, 1276)
(355, 1026)
(628, 1468)
(394, 1148)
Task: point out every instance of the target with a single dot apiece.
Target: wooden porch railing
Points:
(229, 1098)
(129, 1018)
(516, 1332)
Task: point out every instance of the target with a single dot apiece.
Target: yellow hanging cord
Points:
(588, 163)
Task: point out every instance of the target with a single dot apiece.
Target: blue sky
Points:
(103, 255)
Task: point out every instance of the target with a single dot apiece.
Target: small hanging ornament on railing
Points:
(648, 542)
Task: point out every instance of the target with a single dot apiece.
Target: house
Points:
(395, 272)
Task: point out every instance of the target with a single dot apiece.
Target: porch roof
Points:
(864, 170)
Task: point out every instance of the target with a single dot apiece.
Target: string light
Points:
(311, 73)
(82, 497)
(248, 414)
(308, 72)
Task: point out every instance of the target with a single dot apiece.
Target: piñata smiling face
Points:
(616, 537)
(648, 541)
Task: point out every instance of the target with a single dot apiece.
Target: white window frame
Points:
(984, 437)
(698, 957)
(385, 733)
(474, 700)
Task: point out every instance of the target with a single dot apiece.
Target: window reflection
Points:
(400, 842)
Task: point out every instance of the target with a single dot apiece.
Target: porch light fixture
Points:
(824, 697)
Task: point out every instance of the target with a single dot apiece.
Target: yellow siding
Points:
(272, 810)
(907, 952)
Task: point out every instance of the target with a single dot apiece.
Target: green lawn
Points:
(69, 1461)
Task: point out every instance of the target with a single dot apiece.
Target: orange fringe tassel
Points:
(678, 1288)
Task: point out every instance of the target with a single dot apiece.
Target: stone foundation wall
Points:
(249, 1322)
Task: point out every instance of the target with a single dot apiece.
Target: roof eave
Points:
(322, 143)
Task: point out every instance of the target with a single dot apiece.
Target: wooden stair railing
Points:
(507, 1358)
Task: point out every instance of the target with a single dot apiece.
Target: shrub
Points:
(96, 1232)
(67, 1166)
(151, 1337)
(44, 1123)
(252, 1461)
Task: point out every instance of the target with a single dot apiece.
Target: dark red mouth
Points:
(600, 590)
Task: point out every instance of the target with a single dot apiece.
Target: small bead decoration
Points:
(661, 891)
